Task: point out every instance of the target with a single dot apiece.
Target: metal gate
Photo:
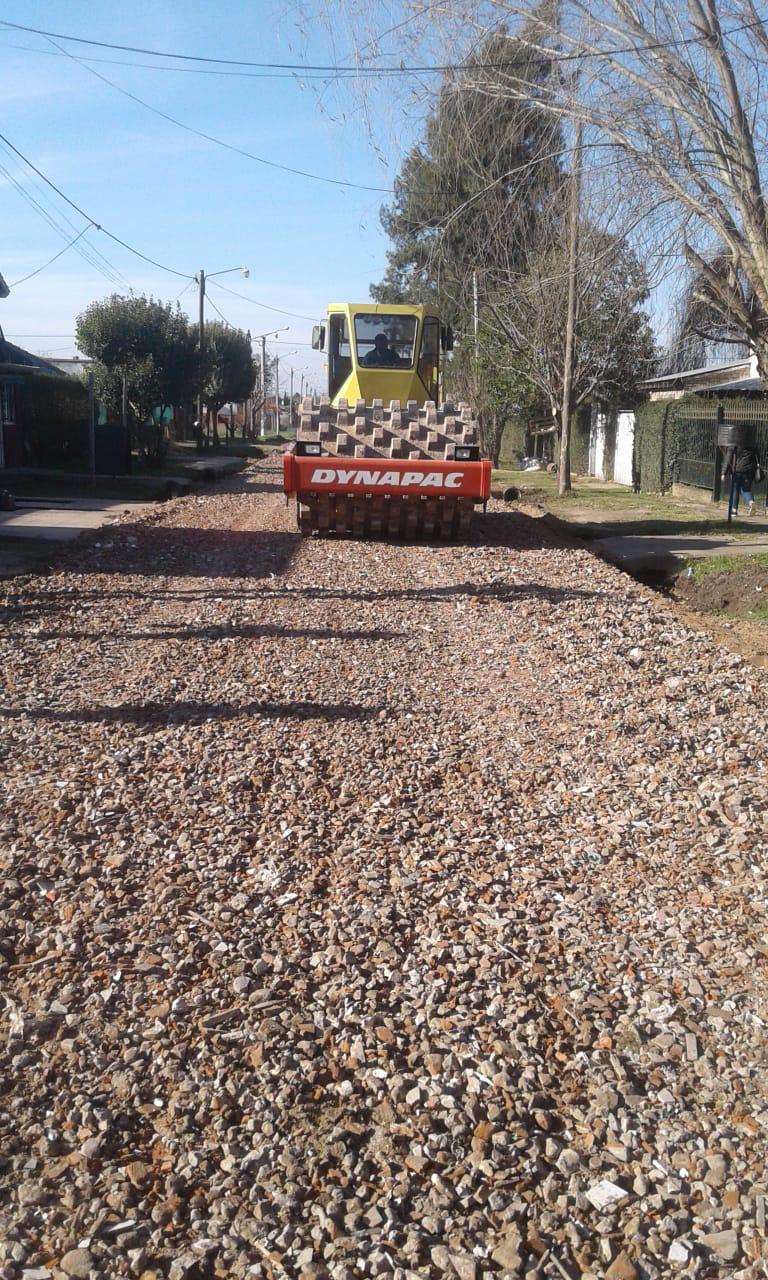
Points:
(697, 460)
(625, 442)
(597, 444)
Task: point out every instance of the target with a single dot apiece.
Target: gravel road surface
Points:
(375, 910)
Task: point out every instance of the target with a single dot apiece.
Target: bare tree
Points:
(613, 347)
(676, 92)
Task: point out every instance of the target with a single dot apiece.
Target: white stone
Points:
(605, 1193)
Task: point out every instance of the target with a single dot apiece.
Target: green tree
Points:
(230, 370)
(494, 387)
(468, 206)
(475, 185)
(149, 344)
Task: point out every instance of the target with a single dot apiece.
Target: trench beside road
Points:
(375, 910)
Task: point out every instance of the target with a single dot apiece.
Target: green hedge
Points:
(513, 441)
(580, 440)
(652, 460)
(666, 428)
(54, 421)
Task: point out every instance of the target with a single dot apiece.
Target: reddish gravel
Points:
(375, 910)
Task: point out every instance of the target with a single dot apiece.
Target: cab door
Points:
(339, 354)
(429, 357)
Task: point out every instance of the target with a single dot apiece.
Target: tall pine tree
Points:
(475, 186)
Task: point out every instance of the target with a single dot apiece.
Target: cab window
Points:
(385, 341)
(339, 355)
(429, 357)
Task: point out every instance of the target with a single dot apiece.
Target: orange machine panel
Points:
(428, 478)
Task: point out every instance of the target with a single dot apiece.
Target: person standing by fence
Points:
(742, 463)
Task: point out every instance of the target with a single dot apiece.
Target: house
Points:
(733, 376)
(43, 412)
(75, 366)
(678, 427)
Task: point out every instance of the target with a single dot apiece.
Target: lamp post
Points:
(4, 291)
(262, 338)
(284, 356)
(200, 279)
(302, 371)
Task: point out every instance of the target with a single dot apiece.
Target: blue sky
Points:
(176, 197)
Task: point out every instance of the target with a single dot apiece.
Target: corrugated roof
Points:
(741, 384)
(10, 354)
(694, 373)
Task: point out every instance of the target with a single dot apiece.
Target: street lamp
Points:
(284, 356)
(262, 337)
(200, 280)
(4, 291)
(302, 371)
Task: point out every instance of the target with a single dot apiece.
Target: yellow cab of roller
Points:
(382, 351)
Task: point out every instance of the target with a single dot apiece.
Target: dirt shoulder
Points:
(724, 594)
(728, 597)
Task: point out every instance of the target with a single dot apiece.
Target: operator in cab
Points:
(382, 356)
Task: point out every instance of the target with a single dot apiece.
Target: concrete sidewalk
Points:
(651, 553)
(57, 520)
(30, 534)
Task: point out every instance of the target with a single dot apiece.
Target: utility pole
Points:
(201, 333)
(201, 353)
(290, 402)
(262, 338)
(564, 469)
(277, 395)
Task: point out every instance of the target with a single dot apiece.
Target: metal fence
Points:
(695, 472)
(697, 459)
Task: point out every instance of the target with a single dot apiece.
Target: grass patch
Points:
(729, 587)
(710, 566)
(594, 509)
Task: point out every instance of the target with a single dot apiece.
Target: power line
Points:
(32, 274)
(296, 67)
(93, 257)
(264, 305)
(285, 342)
(401, 69)
(188, 286)
(219, 312)
(55, 217)
(92, 221)
(220, 142)
(190, 71)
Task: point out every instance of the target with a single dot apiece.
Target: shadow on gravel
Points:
(263, 486)
(245, 632)
(490, 591)
(161, 714)
(43, 603)
(516, 531)
(149, 550)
